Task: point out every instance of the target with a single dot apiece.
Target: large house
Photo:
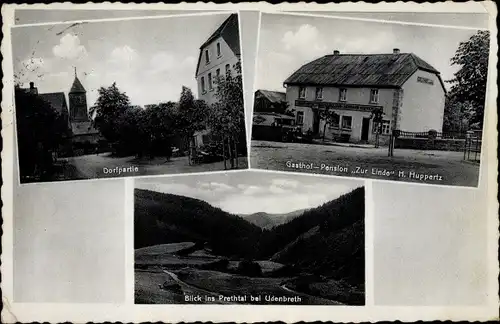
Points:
(410, 92)
(218, 56)
(80, 129)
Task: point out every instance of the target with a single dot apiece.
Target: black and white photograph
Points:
(128, 97)
(371, 98)
(249, 237)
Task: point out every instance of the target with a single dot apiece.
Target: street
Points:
(105, 166)
(433, 167)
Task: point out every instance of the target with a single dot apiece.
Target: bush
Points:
(249, 268)
(432, 134)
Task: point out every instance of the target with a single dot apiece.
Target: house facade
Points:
(218, 56)
(408, 90)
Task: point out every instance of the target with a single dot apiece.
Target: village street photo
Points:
(130, 97)
(249, 237)
(401, 102)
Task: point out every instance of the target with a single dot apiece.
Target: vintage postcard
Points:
(129, 97)
(249, 162)
(401, 102)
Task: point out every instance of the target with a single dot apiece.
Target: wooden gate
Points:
(472, 148)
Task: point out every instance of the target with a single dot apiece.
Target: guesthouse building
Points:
(218, 57)
(408, 90)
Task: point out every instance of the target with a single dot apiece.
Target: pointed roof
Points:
(77, 86)
(229, 31)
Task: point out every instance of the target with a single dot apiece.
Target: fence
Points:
(468, 142)
(472, 149)
(430, 134)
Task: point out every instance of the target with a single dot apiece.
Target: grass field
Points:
(147, 290)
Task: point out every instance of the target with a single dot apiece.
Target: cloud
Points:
(305, 41)
(285, 183)
(69, 47)
(123, 55)
(216, 186)
(252, 190)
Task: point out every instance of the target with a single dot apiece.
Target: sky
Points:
(150, 59)
(289, 41)
(251, 192)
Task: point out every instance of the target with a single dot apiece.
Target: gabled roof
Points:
(229, 31)
(57, 100)
(273, 96)
(357, 70)
(77, 86)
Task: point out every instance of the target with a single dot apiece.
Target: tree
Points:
(377, 117)
(159, 128)
(109, 111)
(226, 117)
(190, 117)
(40, 130)
(469, 82)
(330, 117)
(456, 115)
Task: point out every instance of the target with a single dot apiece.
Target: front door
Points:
(315, 122)
(365, 129)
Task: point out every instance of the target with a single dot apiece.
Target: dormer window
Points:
(302, 92)
(374, 96)
(207, 57)
(319, 93)
(218, 50)
(343, 95)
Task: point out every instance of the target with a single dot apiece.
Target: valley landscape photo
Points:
(249, 238)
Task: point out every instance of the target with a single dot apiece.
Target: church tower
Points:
(78, 102)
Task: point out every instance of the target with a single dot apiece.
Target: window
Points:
(207, 57)
(343, 95)
(203, 90)
(210, 85)
(385, 127)
(335, 122)
(374, 96)
(228, 69)
(346, 122)
(319, 93)
(218, 50)
(300, 118)
(302, 92)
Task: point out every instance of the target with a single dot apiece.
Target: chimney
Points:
(395, 51)
(32, 89)
(336, 52)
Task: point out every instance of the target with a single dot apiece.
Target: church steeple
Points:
(78, 101)
(77, 86)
